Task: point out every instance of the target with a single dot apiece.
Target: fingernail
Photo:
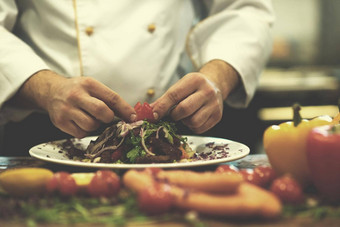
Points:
(155, 115)
(133, 117)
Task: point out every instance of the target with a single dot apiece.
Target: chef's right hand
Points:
(76, 105)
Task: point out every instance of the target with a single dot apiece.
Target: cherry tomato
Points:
(288, 190)
(155, 200)
(63, 183)
(104, 183)
(144, 112)
(226, 168)
(266, 175)
(251, 176)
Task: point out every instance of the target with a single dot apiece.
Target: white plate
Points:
(51, 152)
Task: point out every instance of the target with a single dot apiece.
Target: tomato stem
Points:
(296, 114)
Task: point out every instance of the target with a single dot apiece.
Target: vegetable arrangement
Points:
(308, 151)
(285, 145)
(143, 141)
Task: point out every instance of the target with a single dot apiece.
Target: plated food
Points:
(207, 151)
(138, 142)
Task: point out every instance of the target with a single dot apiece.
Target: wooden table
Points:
(250, 161)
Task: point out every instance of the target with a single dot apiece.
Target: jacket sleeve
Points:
(17, 62)
(238, 32)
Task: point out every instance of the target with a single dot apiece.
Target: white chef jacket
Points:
(131, 46)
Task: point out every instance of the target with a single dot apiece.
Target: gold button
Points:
(151, 92)
(89, 31)
(151, 28)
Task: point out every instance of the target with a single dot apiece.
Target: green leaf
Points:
(133, 154)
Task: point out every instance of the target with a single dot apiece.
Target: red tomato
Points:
(251, 176)
(155, 200)
(266, 175)
(144, 112)
(62, 182)
(226, 168)
(104, 183)
(288, 190)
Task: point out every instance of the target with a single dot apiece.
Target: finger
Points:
(73, 129)
(111, 99)
(197, 119)
(84, 121)
(171, 98)
(187, 107)
(204, 119)
(96, 108)
(201, 127)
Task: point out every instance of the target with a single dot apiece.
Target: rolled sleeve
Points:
(240, 34)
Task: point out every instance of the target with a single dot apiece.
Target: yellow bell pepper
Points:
(285, 145)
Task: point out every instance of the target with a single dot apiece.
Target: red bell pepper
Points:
(323, 157)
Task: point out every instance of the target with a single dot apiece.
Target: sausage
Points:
(205, 181)
(247, 201)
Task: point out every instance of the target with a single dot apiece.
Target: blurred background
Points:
(304, 68)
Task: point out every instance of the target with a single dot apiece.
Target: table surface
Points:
(249, 161)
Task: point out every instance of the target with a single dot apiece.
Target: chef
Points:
(82, 63)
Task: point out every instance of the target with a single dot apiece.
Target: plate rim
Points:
(245, 152)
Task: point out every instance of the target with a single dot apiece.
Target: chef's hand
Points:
(77, 105)
(197, 99)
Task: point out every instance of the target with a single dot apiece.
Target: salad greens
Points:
(137, 142)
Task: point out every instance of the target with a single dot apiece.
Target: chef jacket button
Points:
(151, 92)
(151, 28)
(89, 31)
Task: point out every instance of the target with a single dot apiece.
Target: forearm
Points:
(34, 92)
(223, 75)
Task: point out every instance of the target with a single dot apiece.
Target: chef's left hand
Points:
(197, 99)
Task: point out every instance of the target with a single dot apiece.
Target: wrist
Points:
(35, 91)
(223, 75)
